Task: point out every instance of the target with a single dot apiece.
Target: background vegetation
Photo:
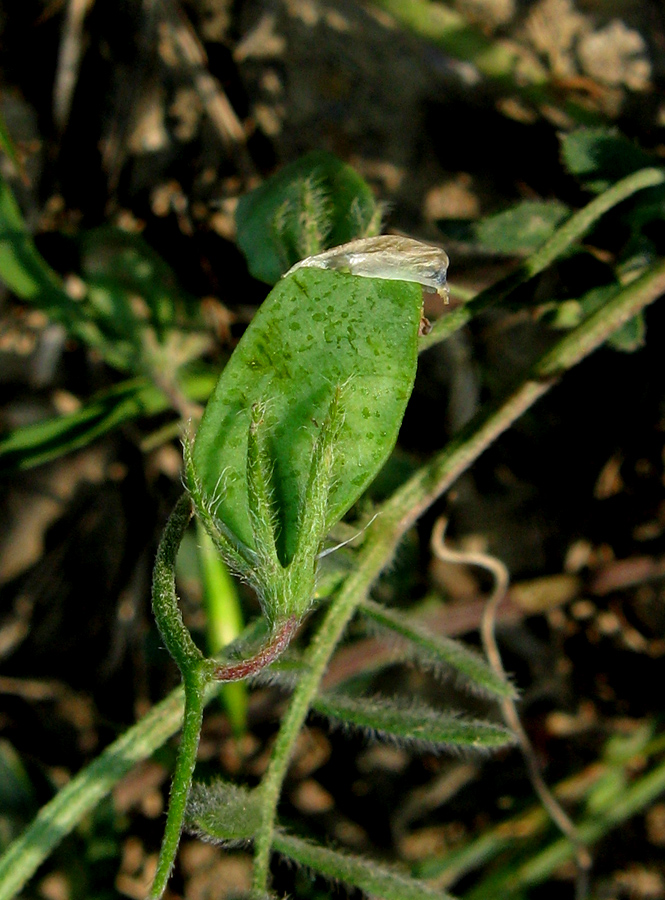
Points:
(526, 138)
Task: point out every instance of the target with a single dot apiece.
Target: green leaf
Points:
(224, 811)
(22, 268)
(123, 261)
(107, 316)
(516, 231)
(630, 337)
(441, 654)
(8, 146)
(311, 204)
(18, 800)
(372, 878)
(568, 314)
(224, 621)
(316, 332)
(601, 156)
(230, 814)
(414, 723)
(521, 229)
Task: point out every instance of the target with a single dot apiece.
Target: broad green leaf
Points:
(230, 813)
(440, 653)
(519, 230)
(316, 332)
(523, 228)
(312, 204)
(414, 723)
(601, 156)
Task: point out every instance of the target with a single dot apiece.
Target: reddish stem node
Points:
(271, 650)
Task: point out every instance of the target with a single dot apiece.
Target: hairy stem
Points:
(402, 510)
(165, 607)
(278, 641)
(195, 683)
(314, 665)
(561, 241)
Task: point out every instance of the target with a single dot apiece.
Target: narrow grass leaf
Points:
(224, 621)
(45, 441)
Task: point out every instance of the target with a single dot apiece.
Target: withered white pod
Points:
(387, 256)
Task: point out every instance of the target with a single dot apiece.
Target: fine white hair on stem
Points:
(511, 717)
(350, 540)
(219, 491)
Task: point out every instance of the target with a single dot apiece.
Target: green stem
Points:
(560, 242)
(165, 607)
(402, 510)
(315, 662)
(196, 674)
(195, 683)
(68, 807)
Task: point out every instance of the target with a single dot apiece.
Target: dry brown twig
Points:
(499, 573)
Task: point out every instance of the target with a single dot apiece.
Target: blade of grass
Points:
(223, 622)
(61, 815)
(42, 442)
(528, 828)
(495, 59)
(22, 267)
(538, 867)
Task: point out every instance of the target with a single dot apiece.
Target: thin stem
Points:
(315, 661)
(65, 810)
(417, 494)
(561, 241)
(402, 510)
(196, 672)
(195, 683)
(278, 641)
(165, 607)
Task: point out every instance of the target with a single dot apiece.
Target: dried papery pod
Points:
(388, 256)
